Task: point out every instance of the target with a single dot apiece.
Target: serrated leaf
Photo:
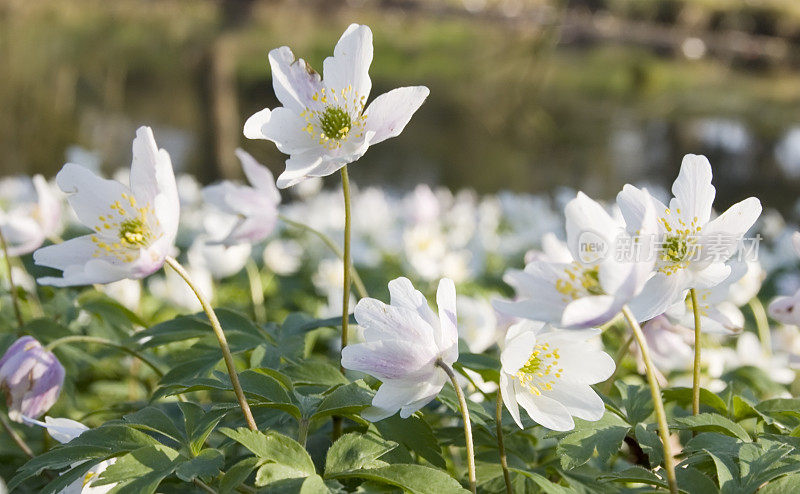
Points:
(650, 443)
(541, 482)
(415, 479)
(348, 399)
(604, 436)
(415, 434)
(636, 400)
(141, 470)
(274, 472)
(315, 373)
(199, 423)
(154, 419)
(356, 451)
(237, 474)
(273, 447)
(683, 397)
(693, 481)
(207, 464)
(635, 474)
(264, 386)
(712, 422)
(789, 484)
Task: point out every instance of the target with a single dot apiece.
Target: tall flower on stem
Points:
(410, 349)
(325, 123)
(693, 248)
(133, 232)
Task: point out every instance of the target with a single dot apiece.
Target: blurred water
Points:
(510, 108)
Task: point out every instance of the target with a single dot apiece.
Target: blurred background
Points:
(526, 95)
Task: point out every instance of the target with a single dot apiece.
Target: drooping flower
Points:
(31, 377)
(786, 309)
(323, 124)
(599, 278)
(31, 215)
(670, 344)
(255, 207)
(548, 372)
(693, 248)
(133, 228)
(64, 431)
(403, 342)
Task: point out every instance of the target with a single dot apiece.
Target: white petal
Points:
(510, 397)
(382, 322)
(389, 359)
(720, 237)
(786, 309)
(89, 195)
(590, 311)
(711, 276)
(403, 294)
(660, 292)
(75, 257)
(796, 242)
(254, 125)
(349, 65)
(586, 218)
(294, 82)
(633, 203)
(582, 362)
(517, 351)
(579, 399)
(259, 176)
(694, 194)
(447, 336)
(544, 411)
(286, 128)
(153, 180)
(49, 205)
(298, 168)
(389, 114)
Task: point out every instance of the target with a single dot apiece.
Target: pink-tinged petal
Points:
(217, 195)
(580, 400)
(389, 359)
(590, 311)
(427, 392)
(403, 294)
(20, 345)
(587, 221)
(252, 230)
(786, 309)
(286, 129)
(75, 257)
(89, 195)
(295, 82)
(259, 176)
(660, 292)
(543, 410)
(349, 65)
(387, 322)
(447, 336)
(398, 395)
(633, 204)
(254, 125)
(694, 194)
(510, 398)
(23, 234)
(298, 168)
(153, 181)
(517, 349)
(389, 114)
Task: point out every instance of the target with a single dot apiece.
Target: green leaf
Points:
(344, 400)
(237, 474)
(789, 484)
(636, 400)
(635, 474)
(650, 443)
(207, 464)
(314, 485)
(727, 472)
(415, 434)
(263, 385)
(141, 470)
(683, 397)
(604, 437)
(273, 447)
(199, 423)
(711, 422)
(415, 479)
(477, 413)
(315, 373)
(356, 451)
(273, 472)
(693, 481)
(154, 419)
(542, 483)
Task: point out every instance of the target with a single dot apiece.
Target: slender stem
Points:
(462, 403)
(11, 286)
(302, 432)
(655, 391)
(202, 485)
(16, 437)
(762, 323)
(256, 291)
(500, 445)
(102, 341)
(621, 353)
(223, 342)
(461, 370)
(360, 288)
(697, 347)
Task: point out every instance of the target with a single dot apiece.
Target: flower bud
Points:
(31, 378)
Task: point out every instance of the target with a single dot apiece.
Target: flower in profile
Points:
(31, 377)
(548, 372)
(133, 228)
(323, 124)
(403, 343)
(693, 248)
(255, 207)
(64, 431)
(588, 282)
(33, 214)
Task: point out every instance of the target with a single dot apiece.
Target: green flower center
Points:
(335, 122)
(134, 231)
(541, 370)
(579, 281)
(675, 249)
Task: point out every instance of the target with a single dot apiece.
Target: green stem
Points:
(346, 281)
(462, 403)
(202, 485)
(697, 347)
(655, 391)
(762, 323)
(11, 286)
(223, 342)
(302, 432)
(256, 291)
(621, 353)
(360, 288)
(16, 437)
(102, 341)
(500, 445)
(461, 370)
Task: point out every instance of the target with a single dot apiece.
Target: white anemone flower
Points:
(64, 431)
(133, 228)
(254, 206)
(33, 214)
(599, 278)
(693, 248)
(549, 372)
(404, 341)
(323, 124)
(477, 323)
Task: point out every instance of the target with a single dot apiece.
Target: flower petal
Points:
(580, 400)
(633, 204)
(286, 128)
(543, 410)
(660, 292)
(590, 311)
(389, 359)
(510, 398)
(720, 237)
(295, 82)
(694, 194)
(89, 195)
(298, 168)
(387, 322)
(259, 176)
(517, 351)
(254, 125)
(349, 65)
(75, 257)
(403, 294)
(153, 180)
(447, 336)
(584, 215)
(389, 114)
